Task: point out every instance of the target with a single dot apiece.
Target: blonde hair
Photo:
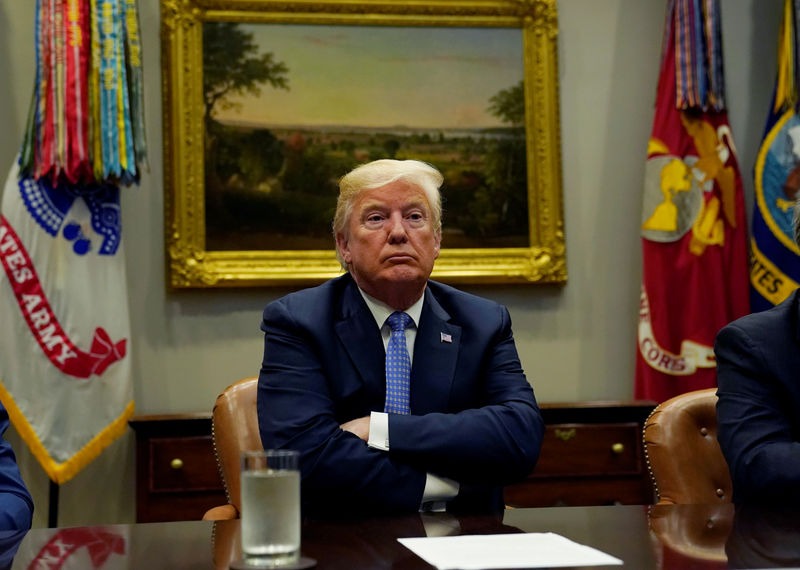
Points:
(380, 173)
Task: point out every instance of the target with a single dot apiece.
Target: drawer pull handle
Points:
(176, 463)
(565, 434)
(617, 448)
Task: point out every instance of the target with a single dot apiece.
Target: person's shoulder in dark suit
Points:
(776, 327)
(313, 307)
(758, 358)
(461, 304)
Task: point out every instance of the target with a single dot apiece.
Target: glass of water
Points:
(270, 508)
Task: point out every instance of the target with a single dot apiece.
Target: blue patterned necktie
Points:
(398, 366)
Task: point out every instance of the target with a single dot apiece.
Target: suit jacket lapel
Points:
(434, 358)
(362, 341)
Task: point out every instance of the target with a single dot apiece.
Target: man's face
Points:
(390, 239)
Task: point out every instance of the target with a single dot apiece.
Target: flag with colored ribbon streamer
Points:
(86, 119)
(65, 374)
(64, 371)
(775, 256)
(694, 278)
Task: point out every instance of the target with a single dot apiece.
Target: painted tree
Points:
(508, 105)
(232, 65)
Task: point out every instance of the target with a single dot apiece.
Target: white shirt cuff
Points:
(438, 490)
(378, 431)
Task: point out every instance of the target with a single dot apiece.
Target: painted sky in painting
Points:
(384, 76)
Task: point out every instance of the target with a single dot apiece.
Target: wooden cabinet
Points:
(591, 455)
(176, 471)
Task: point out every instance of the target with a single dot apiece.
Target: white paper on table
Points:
(524, 550)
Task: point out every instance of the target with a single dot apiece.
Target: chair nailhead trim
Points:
(647, 456)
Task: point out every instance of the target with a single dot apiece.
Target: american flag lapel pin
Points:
(444, 337)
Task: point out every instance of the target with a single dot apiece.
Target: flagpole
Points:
(52, 513)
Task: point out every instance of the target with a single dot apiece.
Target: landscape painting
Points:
(289, 109)
(268, 103)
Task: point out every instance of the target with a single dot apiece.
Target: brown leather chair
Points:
(683, 456)
(691, 536)
(234, 428)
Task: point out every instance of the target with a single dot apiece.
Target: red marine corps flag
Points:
(695, 274)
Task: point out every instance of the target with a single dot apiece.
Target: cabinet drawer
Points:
(579, 450)
(181, 464)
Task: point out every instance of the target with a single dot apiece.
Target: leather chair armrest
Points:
(221, 513)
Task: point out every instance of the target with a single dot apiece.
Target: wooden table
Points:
(644, 537)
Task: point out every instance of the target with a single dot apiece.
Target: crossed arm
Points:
(493, 444)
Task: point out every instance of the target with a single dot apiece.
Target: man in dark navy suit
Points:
(16, 505)
(758, 372)
(401, 394)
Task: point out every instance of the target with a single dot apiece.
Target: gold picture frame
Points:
(191, 264)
